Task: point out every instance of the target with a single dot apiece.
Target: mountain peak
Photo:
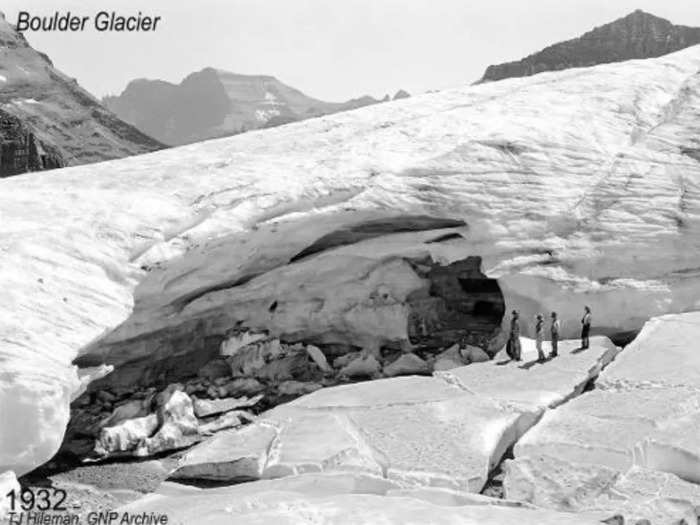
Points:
(639, 15)
(401, 93)
(212, 103)
(9, 36)
(635, 36)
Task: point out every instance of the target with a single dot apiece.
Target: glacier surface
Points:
(341, 499)
(450, 430)
(576, 187)
(631, 445)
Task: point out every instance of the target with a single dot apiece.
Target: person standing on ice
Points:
(585, 327)
(555, 335)
(539, 337)
(513, 345)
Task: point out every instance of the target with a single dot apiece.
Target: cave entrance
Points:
(462, 305)
(486, 301)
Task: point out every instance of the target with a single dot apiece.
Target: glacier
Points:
(343, 499)
(449, 430)
(575, 187)
(629, 446)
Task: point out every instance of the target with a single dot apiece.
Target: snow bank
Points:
(33, 412)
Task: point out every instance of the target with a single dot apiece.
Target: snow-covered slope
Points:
(577, 187)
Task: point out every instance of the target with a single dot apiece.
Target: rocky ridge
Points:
(213, 103)
(47, 120)
(635, 36)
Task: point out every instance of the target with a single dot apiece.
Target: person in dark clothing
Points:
(513, 345)
(539, 337)
(555, 335)
(586, 328)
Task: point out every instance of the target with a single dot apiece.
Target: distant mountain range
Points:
(47, 120)
(214, 103)
(637, 35)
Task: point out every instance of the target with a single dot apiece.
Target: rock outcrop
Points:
(401, 93)
(21, 151)
(48, 121)
(637, 35)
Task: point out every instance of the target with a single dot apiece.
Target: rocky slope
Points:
(47, 120)
(21, 151)
(355, 232)
(637, 35)
(214, 103)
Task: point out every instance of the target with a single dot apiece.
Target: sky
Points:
(330, 49)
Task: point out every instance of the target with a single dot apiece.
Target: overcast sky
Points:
(330, 49)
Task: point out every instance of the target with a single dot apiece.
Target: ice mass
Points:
(314, 322)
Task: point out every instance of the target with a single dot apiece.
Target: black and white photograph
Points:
(350, 262)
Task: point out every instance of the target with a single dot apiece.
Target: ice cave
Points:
(319, 309)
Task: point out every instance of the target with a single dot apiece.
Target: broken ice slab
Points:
(448, 431)
(632, 443)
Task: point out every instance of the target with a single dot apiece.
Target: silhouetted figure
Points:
(539, 337)
(513, 345)
(586, 327)
(555, 335)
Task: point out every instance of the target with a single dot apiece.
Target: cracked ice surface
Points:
(577, 186)
(631, 445)
(342, 499)
(445, 431)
